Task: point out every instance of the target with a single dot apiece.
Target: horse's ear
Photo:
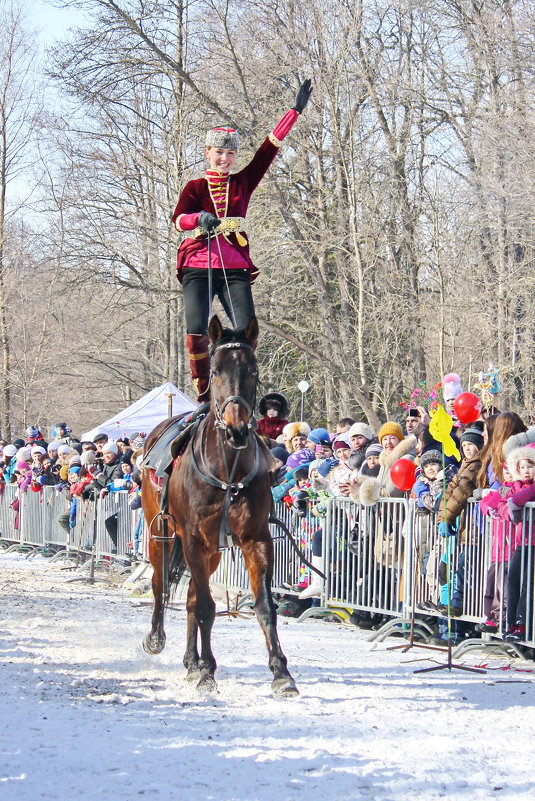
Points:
(251, 332)
(215, 329)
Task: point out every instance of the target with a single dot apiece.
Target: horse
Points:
(219, 484)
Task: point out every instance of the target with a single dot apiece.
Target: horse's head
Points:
(234, 376)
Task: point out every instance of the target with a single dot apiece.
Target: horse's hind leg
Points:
(154, 642)
(259, 562)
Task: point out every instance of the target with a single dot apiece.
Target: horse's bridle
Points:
(249, 408)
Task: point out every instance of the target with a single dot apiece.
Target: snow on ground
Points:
(85, 714)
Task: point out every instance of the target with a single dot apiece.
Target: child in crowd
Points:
(273, 407)
(520, 578)
(450, 515)
(495, 599)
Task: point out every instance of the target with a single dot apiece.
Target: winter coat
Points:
(502, 530)
(460, 489)
(520, 494)
(429, 493)
(270, 426)
(109, 473)
(382, 487)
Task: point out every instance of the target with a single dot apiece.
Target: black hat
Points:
(430, 457)
(280, 453)
(275, 399)
(413, 413)
(474, 436)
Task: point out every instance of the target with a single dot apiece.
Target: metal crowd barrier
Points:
(386, 559)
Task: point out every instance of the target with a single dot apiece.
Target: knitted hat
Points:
(74, 468)
(280, 453)
(52, 446)
(32, 432)
(314, 464)
(75, 459)
(138, 442)
(341, 441)
(474, 436)
(223, 137)
(23, 464)
(87, 458)
(361, 430)
(392, 429)
(18, 443)
(299, 459)
(9, 450)
(110, 447)
(430, 457)
(24, 454)
(319, 436)
(38, 449)
(451, 386)
(374, 449)
(64, 449)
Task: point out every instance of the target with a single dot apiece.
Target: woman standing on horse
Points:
(214, 208)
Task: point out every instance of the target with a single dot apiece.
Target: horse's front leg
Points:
(154, 642)
(258, 556)
(191, 656)
(203, 610)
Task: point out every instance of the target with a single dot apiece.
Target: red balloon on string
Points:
(467, 407)
(403, 474)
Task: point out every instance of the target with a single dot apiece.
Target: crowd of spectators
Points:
(310, 465)
(496, 467)
(81, 470)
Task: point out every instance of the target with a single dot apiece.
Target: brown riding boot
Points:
(199, 364)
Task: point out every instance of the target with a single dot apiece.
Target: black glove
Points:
(303, 96)
(208, 221)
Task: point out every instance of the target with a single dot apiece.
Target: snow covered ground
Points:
(85, 714)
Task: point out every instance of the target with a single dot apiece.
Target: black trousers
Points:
(197, 304)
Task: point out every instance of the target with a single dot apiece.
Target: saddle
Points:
(172, 442)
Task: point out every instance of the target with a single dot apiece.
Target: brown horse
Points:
(219, 485)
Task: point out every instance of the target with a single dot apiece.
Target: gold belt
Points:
(228, 225)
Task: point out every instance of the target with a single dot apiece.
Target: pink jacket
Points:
(502, 530)
(520, 493)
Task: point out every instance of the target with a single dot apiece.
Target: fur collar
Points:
(402, 449)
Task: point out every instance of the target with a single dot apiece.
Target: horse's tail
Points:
(177, 566)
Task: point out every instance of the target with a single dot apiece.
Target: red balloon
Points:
(467, 407)
(403, 474)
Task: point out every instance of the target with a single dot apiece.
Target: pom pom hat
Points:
(451, 386)
(223, 137)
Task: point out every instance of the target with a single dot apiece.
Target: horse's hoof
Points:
(193, 675)
(284, 688)
(153, 644)
(207, 685)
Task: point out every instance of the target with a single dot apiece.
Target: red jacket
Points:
(270, 426)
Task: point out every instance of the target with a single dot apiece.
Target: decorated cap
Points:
(223, 137)
(32, 431)
(430, 457)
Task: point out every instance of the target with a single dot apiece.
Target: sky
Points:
(51, 22)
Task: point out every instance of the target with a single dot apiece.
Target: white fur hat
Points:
(516, 456)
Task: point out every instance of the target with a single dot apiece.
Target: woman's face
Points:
(220, 158)
(342, 454)
(358, 441)
(389, 442)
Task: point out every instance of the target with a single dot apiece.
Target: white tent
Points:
(144, 414)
